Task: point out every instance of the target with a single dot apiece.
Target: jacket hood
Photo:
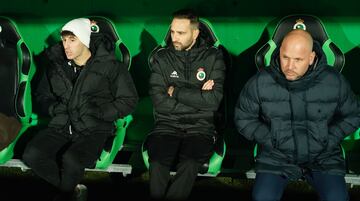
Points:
(314, 70)
(101, 48)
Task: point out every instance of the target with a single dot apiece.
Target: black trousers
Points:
(189, 152)
(61, 159)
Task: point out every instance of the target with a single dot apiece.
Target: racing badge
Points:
(200, 75)
(299, 24)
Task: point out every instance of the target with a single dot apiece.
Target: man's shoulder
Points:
(212, 50)
(108, 65)
(55, 54)
(161, 52)
(263, 73)
(262, 77)
(330, 73)
(330, 70)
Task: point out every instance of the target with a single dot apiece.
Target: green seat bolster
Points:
(106, 158)
(354, 136)
(216, 161)
(7, 153)
(145, 156)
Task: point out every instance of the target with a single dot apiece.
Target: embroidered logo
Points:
(174, 74)
(200, 75)
(94, 27)
(299, 24)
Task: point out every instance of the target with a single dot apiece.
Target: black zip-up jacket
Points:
(189, 109)
(103, 92)
(299, 124)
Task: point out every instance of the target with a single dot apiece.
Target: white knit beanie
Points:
(81, 28)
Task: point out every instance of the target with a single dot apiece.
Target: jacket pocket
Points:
(275, 128)
(59, 121)
(318, 137)
(89, 121)
(284, 138)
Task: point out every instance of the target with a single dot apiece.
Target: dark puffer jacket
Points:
(190, 108)
(300, 124)
(103, 92)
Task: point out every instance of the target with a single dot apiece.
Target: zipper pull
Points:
(70, 130)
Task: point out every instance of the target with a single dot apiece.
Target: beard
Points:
(180, 47)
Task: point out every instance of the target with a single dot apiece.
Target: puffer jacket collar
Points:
(314, 70)
(200, 45)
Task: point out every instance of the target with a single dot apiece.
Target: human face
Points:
(295, 57)
(183, 35)
(73, 47)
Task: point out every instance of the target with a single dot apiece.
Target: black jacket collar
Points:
(199, 46)
(314, 70)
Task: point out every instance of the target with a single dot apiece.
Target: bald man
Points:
(296, 54)
(298, 111)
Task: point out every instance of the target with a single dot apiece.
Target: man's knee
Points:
(336, 196)
(191, 166)
(264, 196)
(156, 166)
(192, 163)
(266, 193)
(32, 155)
(69, 161)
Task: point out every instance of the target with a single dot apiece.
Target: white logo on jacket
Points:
(174, 74)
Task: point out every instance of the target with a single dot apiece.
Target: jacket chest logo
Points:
(200, 75)
(174, 74)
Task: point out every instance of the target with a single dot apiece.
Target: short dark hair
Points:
(187, 14)
(66, 33)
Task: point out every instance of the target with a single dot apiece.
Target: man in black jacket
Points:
(88, 90)
(186, 87)
(298, 113)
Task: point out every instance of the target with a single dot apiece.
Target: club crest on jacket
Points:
(200, 75)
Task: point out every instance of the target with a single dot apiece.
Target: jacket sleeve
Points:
(247, 111)
(204, 99)
(124, 93)
(48, 104)
(44, 102)
(347, 115)
(162, 102)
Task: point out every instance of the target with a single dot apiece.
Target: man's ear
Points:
(312, 58)
(196, 33)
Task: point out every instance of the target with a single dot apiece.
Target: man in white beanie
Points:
(85, 91)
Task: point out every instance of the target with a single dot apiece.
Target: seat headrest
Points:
(103, 26)
(106, 28)
(8, 33)
(311, 24)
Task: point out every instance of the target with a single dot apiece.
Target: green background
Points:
(242, 27)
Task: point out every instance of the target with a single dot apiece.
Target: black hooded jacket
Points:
(299, 124)
(190, 108)
(103, 92)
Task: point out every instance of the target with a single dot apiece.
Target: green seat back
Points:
(16, 72)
